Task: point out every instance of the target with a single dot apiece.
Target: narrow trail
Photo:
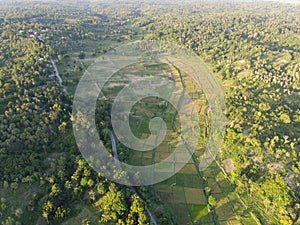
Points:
(116, 159)
(55, 67)
(57, 75)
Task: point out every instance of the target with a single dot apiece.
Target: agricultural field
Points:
(188, 192)
(252, 48)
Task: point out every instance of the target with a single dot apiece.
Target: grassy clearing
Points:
(180, 212)
(71, 60)
(199, 213)
(86, 213)
(229, 208)
(194, 196)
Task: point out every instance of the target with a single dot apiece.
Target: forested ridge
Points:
(252, 48)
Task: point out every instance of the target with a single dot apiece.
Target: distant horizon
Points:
(156, 1)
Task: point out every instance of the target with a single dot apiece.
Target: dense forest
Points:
(252, 48)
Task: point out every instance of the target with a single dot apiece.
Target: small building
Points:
(41, 39)
(40, 59)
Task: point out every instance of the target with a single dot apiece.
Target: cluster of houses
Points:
(34, 34)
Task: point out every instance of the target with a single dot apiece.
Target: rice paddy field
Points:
(186, 193)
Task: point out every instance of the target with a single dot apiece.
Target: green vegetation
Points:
(252, 48)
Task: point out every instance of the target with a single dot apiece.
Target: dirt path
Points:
(55, 68)
(57, 75)
(115, 153)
